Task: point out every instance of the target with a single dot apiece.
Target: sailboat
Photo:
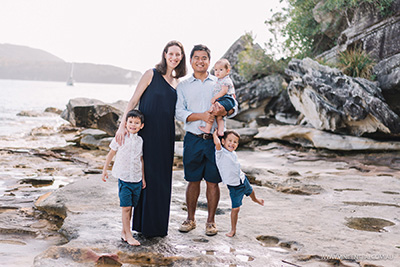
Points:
(70, 81)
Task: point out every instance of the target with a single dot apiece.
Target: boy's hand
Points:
(216, 140)
(143, 184)
(104, 176)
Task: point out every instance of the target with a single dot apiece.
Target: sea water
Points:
(17, 96)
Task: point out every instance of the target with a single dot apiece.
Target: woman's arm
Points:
(140, 88)
(143, 178)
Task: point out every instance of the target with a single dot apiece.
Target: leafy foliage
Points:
(356, 63)
(254, 63)
(303, 35)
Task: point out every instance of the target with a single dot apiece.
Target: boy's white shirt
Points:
(127, 164)
(229, 167)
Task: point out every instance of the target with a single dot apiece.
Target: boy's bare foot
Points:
(231, 234)
(259, 201)
(221, 133)
(203, 129)
(132, 241)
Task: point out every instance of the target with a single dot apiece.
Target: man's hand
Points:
(208, 117)
(219, 110)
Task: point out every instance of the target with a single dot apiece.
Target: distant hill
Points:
(25, 63)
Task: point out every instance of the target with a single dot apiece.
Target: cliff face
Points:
(380, 37)
(25, 63)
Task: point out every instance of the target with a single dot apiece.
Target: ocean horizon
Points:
(22, 95)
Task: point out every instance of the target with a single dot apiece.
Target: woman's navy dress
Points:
(157, 103)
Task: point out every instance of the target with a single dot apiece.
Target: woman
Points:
(157, 95)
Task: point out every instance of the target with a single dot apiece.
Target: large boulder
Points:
(332, 101)
(387, 72)
(93, 113)
(310, 137)
(252, 96)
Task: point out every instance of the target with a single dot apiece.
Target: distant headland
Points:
(26, 63)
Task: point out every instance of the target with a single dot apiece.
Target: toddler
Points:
(224, 94)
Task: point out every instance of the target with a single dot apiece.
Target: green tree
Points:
(302, 34)
(254, 62)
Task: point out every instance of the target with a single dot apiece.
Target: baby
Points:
(224, 94)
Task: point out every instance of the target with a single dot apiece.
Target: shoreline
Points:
(320, 207)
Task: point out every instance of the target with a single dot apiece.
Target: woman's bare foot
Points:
(132, 241)
(123, 237)
(231, 233)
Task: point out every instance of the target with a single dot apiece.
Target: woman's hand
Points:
(120, 136)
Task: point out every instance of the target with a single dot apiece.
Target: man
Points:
(194, 101)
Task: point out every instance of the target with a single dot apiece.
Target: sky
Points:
(129, 33)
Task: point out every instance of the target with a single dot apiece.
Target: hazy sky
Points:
(128, 33)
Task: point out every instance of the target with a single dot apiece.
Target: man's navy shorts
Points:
(199, 159)
(237, 193)
(129, 193)
(227, 102)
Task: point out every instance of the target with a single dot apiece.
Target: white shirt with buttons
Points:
(127, 164)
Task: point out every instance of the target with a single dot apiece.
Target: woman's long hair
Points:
(181, 69)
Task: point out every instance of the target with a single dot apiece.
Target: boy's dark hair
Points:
(201, 47)
(135, 114)
(228, 132)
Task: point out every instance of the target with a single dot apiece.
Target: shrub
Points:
(356, 63)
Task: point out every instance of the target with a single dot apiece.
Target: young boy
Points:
(128, 168)
(231, 175)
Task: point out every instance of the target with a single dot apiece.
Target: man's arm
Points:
(205, 116)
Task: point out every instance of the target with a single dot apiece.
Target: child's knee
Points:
(126, 209)
(235, 210)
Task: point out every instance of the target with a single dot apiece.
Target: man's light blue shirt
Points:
(194, 96)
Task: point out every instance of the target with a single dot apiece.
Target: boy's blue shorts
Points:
(129, 193)
(227, 102)
(199, 159)
(237, 192)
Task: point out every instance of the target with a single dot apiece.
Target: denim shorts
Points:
(227, 102)
(237, 193)
(129, 193)
(199, 159)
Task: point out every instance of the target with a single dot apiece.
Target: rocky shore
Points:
(322, 209)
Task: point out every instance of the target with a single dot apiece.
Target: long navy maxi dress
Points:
(157, 103)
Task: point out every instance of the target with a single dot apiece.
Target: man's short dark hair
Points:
(201, 47)
(135, 114)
